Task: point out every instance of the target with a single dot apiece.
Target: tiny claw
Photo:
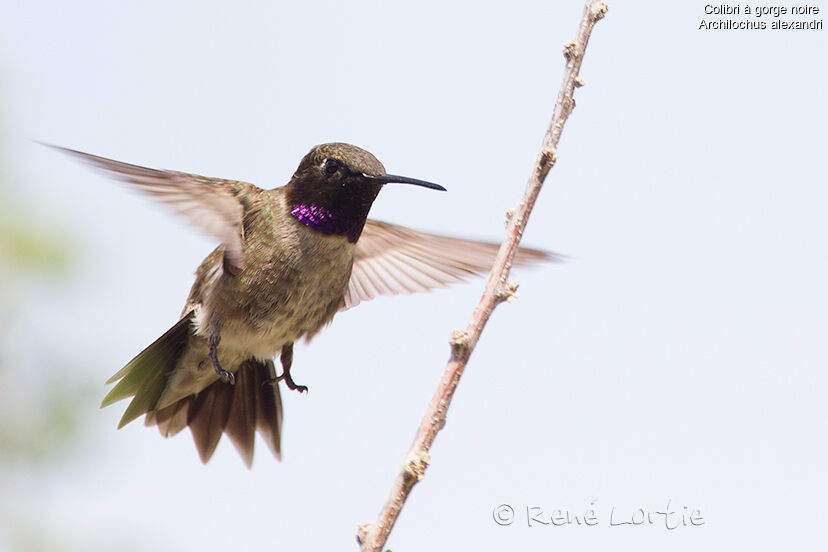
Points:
(300, 388)
(292, 385)
(227, 376)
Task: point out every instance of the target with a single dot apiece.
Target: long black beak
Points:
(389, 178)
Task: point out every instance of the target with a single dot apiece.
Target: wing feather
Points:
(209, 203)
(391, 259)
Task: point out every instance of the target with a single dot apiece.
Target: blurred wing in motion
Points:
(209, 203)
(391, 260)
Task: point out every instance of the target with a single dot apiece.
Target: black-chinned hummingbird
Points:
(290, 258)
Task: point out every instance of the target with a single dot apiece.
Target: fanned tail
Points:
(238, 410)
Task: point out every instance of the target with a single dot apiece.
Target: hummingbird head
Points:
(336, 184)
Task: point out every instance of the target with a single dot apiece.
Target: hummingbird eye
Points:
(331, 166)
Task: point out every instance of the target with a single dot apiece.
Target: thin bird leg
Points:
(286, 357)
(213, 342)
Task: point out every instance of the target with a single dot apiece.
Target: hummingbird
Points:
(290, 258)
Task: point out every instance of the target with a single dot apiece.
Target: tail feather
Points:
(238, 410)
(208, 415)
(170, 420)
(269, 411)
(241, 422)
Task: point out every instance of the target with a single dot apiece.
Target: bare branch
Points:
(372, 537)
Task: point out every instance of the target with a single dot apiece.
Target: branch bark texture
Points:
(372, 537)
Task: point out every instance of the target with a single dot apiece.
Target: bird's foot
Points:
(286, 358)
(292, 385)
(222, 373)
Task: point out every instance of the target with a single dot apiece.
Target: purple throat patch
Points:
(325, 221)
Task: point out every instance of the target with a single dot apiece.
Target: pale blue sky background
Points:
(680, 355)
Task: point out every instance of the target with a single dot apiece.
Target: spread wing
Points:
(209, 203)
(391, 259)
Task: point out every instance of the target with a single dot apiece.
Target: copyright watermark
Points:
(669, 516)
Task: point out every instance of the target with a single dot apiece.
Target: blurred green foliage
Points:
(24, 249)
(34, 422)
(41, 420)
